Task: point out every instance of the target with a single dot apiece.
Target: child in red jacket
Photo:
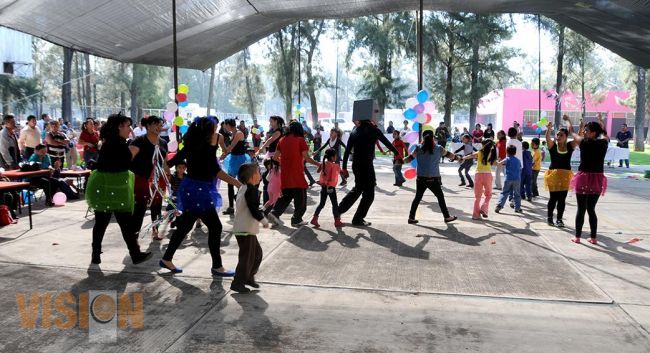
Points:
(329, 177)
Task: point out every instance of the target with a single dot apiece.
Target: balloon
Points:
(410, 173)
(181, 97)
(422, 96)
(414, 163)
(178, 121)
(171, 154)
(412, 137)
(419, 108)
(411, 102)
(172, 107)
(255, 131)
(421, 118)
(183, 104)
(180, 146)
(539, 130)
(416, 127)
(534, 126)
(410, 113)
(428, 116)
(183, 88)
(427, 128)
(429, 107)
(183, 129)
(542, 122)
(169, 116)
(298, 106)
(172, 146)
(412, 148)
(59, 199)
(171, 94)
(544, 114)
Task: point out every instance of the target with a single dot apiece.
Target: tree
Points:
(66, 88)
(249, 92)
(210, 90)
(311, 32)
(639, 118)
(20, 91)
(385, 38)
(558, 79)
(579, 55)
(283, 47)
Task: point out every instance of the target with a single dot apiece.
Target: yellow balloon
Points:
(178, 121)
(183, 88)
(180, 146)
(427, 127)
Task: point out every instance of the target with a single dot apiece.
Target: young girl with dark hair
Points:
(428, 156)
(558, 176)
(467, 148)
(329, 177)
(590, 182)
(110, 188)
(198, 197)
(486, 158)
(276, 125)
(236, 156)
(273, 184)
(501, 154)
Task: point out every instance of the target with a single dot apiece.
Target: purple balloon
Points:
(419, 108)
(168, 115)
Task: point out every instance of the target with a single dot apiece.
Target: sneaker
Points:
(314, 221)
(498, 209)
(450, 219)
(273, 219)
(559, 223)
(361, 223)
(512, 205)
(141, 257)
(576, 240)
(299, 224)
(470, 185)
(229, 211)
(549, 221)
(530, 199)
(412, 221)
(252, 283)
(593, 241)
(239, 288)
(519, 210)
(484, 214)
(338, 223)
(461, 184)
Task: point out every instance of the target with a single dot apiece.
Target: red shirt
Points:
(478, 134)
(292, 163)
(501, 149)
(399, 144)
(90, 138)
(329, 175)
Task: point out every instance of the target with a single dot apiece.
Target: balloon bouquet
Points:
(418, 110)
(539, 126)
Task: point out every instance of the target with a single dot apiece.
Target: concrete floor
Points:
(506, 284)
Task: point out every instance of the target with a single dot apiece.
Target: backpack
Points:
(5, 216)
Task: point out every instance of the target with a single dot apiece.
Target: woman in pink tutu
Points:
(590, 181)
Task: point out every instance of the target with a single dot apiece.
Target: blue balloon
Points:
(539, 130)
(416, 127)
(183, 104)
(414, 163)
(298, 106)
(183, 129)
(412, 147)
(422, 96)
(410, 113)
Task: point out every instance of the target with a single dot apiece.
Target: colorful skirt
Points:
(589, 183)
(144, 188)
(198, 197)
(232, 163)
(110, 192)
(558, 179)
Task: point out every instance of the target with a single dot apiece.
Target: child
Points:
(175, 182)
(513, 180)
(483, 186)
(526, 173)
(46, 183)
(248, 216)
(398, 159)
(329, 177)
(501, 154)
(466, 165)
(273, 182)
(537, 164)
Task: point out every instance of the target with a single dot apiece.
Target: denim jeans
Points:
(397, 169)
(510, 186)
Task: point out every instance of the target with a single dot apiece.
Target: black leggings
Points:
(231, 195)
(433, 184)
(559, 198)
(138, 215)
(184, 224)
(466, 165)
(323, 199)
(587, 203)
(102, 219)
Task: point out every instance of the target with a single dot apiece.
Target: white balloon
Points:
(171, 94)
(421, 118)
(172, 107)
(411, 102)
(544, 114)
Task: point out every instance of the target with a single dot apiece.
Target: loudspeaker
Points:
(366, 109)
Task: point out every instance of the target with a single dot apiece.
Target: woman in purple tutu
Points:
(590, 182)
(197, 196)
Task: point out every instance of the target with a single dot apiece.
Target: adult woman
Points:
(276, 127)
(110, 188)
(558, 176)
(56, 142)
(236, 156)
(428, 156)
(89, 139)
(477, 134)
(590, 182)
(198, 197)
(149, 151)
(501, 154)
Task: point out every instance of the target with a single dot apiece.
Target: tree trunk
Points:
(79, 84)
(639, 118)
(558, 78)
(211, 90)
(311, 90)
(123, 93)
(66, 88)
(449, 99)
(89, 103)
(582, 85)
(135, 80)
(249, 91)
(474, 98)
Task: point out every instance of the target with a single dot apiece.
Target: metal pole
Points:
(420, 17)
(178, 133)
(336, 85)
(539, 68)
(299, 81)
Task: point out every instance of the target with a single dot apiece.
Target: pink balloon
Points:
(419, 108)
(429, 107)
(169, 116)
(59, 199)
(411, 137)
(172, 146)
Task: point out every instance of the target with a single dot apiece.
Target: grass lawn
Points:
(640, 158)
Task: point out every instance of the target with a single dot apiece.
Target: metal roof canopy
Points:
(140, 31)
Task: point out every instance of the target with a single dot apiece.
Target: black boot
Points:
(141, 257)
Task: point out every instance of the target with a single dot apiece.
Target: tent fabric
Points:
(140, 31)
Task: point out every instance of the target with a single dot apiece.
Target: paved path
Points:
(507, 284)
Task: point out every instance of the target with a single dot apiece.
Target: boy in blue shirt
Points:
(527, 173)
(513, 180)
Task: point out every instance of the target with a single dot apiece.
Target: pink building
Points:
(503, 107)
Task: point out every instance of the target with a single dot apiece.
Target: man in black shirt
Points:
(362, 141)
(623, 138)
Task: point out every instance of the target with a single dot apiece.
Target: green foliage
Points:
(248, 86)
(20, 91)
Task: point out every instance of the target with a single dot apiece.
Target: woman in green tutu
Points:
(110, 188)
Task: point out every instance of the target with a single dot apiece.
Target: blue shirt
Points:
(428, 163)
(527, 168)
(45, 162)
(513, 169)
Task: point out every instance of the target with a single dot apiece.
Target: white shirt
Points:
(165, 129)
(29, 137)
(139, 131)
(520, 149)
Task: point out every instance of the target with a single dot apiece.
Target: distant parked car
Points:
(328, 124)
